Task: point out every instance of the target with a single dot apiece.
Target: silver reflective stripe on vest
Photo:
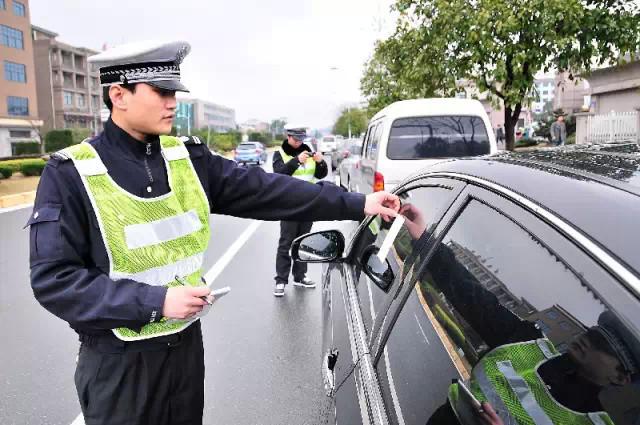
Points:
(159, 231)
(175, 153)
(163, 275)
(544, 347)
(524, 394)
(492, 397)
(596, 419)
(90, 167)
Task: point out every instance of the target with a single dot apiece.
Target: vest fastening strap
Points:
(164, 230)
(175, 153)
(90, 167)
(162, 275)
(524, 394)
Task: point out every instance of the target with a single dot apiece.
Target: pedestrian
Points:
(297, 159)
(500, 135)
(118, 232)
(558, 131)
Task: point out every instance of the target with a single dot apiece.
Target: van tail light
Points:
(345, 154)
(378, 182)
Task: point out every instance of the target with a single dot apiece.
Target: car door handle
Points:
(332, 359)
(329, 364)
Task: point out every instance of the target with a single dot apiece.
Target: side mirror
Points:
(379, 272)
(319, 247)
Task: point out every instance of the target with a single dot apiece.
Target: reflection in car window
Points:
(433, 201)
(498, 310)
(437, 137)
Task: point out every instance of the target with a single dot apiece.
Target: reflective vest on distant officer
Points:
(305, 171)
(149, 240)
(507, 378)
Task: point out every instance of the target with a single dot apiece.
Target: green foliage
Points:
(5, 171)
(32, 167)
(26, 148)
(224, 142)
(264, 138)
(525, 142)
(499, 45)
(277, 126)
(55, 140)
(79, 134)
(355, 117)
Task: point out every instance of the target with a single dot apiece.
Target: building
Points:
(255, 126)
(545, 89)
(69, 91)
(571, 95)
(200, 114)
(616, 88)
(19, 119)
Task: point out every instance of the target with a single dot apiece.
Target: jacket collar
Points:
(289, 150)
(119, 140)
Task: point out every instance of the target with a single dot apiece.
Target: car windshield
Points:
(247, 146)
(437, 137)
(328, 139)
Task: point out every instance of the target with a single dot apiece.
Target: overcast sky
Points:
(266, 59)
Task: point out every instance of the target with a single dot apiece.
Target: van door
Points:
(369, 159)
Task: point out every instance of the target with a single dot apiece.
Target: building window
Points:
(68, 98)
(2, 5)
(18, 8)
(81, 101)
(95, 102)
(11, 37)
(18, 106)
(15, 72)
(20, 134)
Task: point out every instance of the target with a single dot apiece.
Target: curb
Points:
(19, 199)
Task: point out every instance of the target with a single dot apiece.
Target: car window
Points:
(498, 309)
(372, 148)
(246, 146)
(437, 137)
(433, 201)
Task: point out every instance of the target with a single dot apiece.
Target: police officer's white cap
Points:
(153, 62)
(298, 132)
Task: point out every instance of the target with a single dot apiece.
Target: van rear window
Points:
(437, 137)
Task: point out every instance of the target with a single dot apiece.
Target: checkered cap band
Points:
(139, 73)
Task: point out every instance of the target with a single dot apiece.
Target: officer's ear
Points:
(118, 96)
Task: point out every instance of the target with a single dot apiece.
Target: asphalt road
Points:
(262, 353)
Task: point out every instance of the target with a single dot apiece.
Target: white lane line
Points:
(16, 208)
(421, 330)
(219, 266)
(214, 271)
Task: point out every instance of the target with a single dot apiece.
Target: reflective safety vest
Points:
(305, 171)
(149, 240)
(507, 378)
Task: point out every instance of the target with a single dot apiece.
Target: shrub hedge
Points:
(28, 167)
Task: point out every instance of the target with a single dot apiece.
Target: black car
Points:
(531, 259)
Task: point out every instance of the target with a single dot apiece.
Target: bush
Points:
(26, 148)
(526, 142)
(5, 171)
(32, 167)
(571, 139)
(58, 139)
(79, 134)
(224, 142)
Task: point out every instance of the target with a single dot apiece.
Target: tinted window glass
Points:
(493, 307)
(247, 146)
(432, 201)
(437, 137)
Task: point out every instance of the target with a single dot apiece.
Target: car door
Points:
(369, 159)
(353, 300)
(495, 276)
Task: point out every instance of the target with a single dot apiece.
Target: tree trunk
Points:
(510, 121)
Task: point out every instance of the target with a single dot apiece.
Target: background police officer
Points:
(126, 373)
(295, 158)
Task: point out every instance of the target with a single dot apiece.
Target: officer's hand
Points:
(383, 203)
(489, 416)
(317, 157)
(303, 157)
(184, 302)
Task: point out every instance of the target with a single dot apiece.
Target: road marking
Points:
(213, 272)
(421, 330)
(16, 208)
(219, 266)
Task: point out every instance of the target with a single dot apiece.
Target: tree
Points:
(277, 126)
(499, 45)
(354, 117)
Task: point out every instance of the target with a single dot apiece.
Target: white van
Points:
(409, 135)
(327, 144)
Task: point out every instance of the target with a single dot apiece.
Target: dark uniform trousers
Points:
(289, 230)
(158, 381)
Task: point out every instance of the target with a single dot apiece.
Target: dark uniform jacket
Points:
(290, 167)
(69, 263)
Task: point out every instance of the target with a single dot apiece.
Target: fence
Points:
(612, 128)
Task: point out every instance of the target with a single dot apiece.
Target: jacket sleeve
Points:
(64, 278)
(253, 193)
(288, 168)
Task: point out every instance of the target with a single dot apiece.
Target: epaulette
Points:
(60, 156)
(190, 140)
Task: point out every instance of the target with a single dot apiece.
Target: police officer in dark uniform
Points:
(157, 380)
(295, 158)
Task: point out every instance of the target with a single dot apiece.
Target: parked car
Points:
(519, 270)
(406, 136)
(327, 144)
(343, 151)
(350, 164)
(250, 153)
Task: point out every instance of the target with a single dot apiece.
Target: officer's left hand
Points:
(383, 203)
(489, 416)
(317, 157)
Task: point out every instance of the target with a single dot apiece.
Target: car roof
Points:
(594, 188)
(431, 107)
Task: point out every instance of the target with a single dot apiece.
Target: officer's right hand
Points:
(183, 302)
(303, 157)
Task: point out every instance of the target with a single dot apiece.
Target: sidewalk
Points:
(17, 190)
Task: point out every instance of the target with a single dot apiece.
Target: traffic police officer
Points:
(118, 231)
(295, 158)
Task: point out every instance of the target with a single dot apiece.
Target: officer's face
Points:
(150, 110)
(599, 367)
(294, 143)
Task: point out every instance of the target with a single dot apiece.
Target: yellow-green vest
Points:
(149, 240)
(305, 171)
(507, 378)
